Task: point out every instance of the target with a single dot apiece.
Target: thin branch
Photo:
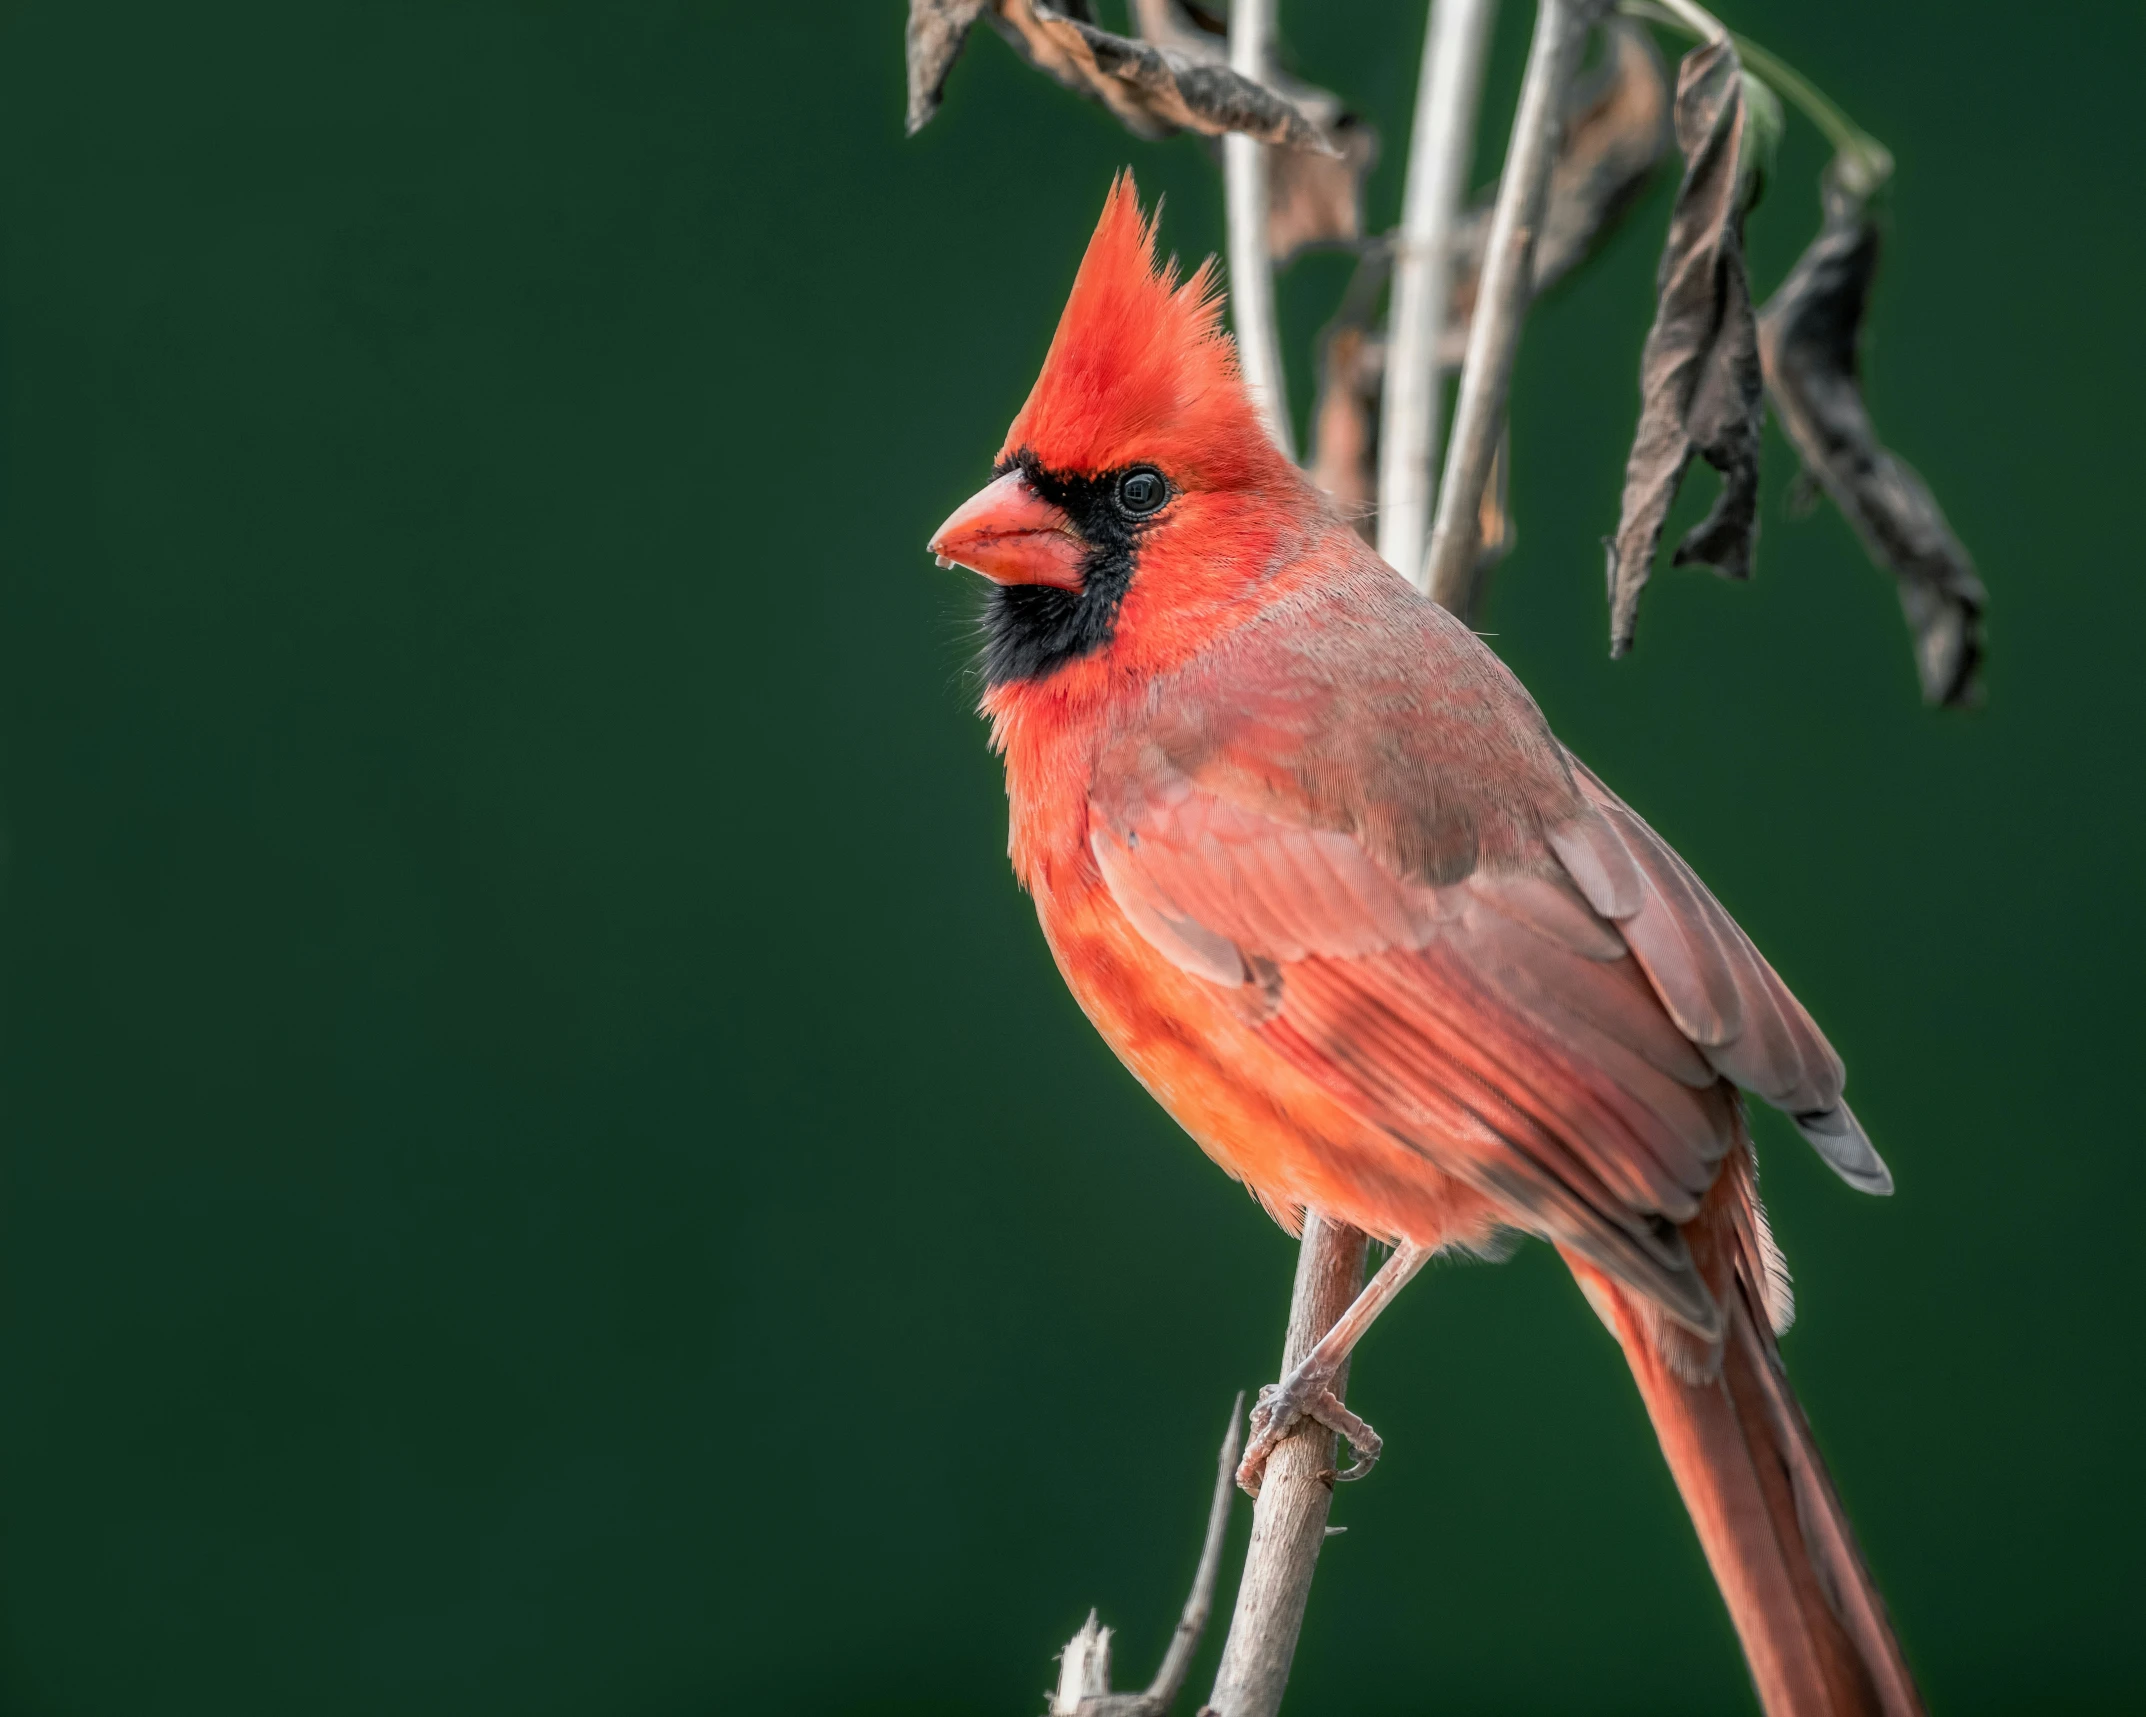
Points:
(1251, 272)
(1868, 163)
(1084, 1668)
(1199, 1605)
(1289, 1520)
(1697, 19)
(1440, 148)
(1507, 283)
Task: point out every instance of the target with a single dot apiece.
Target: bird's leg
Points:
(1308, 1391)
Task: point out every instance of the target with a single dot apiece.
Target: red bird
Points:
(1314, 864)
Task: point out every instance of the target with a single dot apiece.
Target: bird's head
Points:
(1137, 497)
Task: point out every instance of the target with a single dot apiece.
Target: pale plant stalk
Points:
(1506, 285)
(1295, 1496)
(1440, 148)
(1697, 19)
(1251, 271)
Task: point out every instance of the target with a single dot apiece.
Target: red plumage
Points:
(1312, 861)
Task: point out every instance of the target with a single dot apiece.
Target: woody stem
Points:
(1251, 271)
(1440, 147)
(1289, 1520)
(1502, 300)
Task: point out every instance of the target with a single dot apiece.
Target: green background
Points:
(546, 1168)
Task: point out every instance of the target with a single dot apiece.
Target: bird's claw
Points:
(1283, 1407)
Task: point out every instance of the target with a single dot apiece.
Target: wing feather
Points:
(1498, 1024)
(1717, 986)
(1360, 1029)
(1557, 1035)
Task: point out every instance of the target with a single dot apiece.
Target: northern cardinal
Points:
(1311, 859)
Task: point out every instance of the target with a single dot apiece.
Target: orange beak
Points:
(1012, 535)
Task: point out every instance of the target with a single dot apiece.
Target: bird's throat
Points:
(1030, 631)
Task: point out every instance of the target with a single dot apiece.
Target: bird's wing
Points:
(1717, 987)
(1555, 1032)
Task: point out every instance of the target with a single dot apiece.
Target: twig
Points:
(1439, 150)
(1502, 299)
(1289, 1520)
(1084, 1666)
(1083, 1671)
(1251, 272)
(1199, 1605)
(1694, 18)
(1866, 161)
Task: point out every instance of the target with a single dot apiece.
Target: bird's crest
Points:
(1141, 368)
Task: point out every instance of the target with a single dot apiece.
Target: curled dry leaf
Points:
(1318, 198)
(1176, 79)
(1314, 196)
(1188, 29)
(1701, 389)
(1153, 88)
(937, 30)
(1809, 335)
(1615, 134)
(1345, 422)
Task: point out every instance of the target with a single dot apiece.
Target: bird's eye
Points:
(1141, 491)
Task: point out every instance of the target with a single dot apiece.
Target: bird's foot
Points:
(1306, 1393)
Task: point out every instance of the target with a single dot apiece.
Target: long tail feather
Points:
(1813, 1627)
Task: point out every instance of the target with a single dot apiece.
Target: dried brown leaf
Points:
(1154, 88)
(1189, 29)
(937, 31)
(1345, 422)
(1701, 389)
(1616, 132)
(1809, 335)
(1319, 199)
(1314, 197)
